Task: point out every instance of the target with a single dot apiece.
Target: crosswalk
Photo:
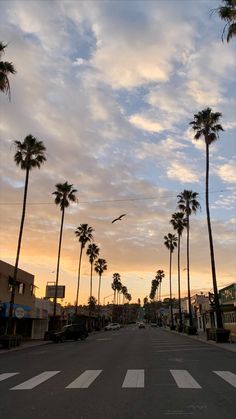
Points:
(133, 378)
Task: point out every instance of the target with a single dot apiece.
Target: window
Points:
(21, 288)
(31, 289)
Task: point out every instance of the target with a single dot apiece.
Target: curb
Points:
(24, 346)
(210, 342)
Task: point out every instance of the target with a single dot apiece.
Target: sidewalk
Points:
(201, 336)
(26, 344)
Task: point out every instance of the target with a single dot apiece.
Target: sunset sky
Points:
(110, 88)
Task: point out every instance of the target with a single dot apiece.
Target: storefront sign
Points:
(19, 312)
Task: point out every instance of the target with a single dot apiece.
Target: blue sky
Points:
(110, 87)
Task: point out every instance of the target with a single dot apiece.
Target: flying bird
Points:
(119, 218)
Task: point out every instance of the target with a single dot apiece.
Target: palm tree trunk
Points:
(13, 291)
(213, 269)
(99, 287)
(58, 263)
(91, 280)
(180, 313)
(188, 276)
(160, 292)
(171, 306)
(78, 283)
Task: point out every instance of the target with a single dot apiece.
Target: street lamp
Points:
(110, 295)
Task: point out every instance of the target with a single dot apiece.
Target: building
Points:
(24, 299)
(31, 315)
(228, 307)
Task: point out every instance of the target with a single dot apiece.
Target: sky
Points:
(110, 88)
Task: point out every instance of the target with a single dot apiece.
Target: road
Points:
(127, 374)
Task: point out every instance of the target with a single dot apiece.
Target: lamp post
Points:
(110, 295)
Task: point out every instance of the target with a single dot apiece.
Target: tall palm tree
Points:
(30, 153)
(227, 12)
(188, 204)
(6, 69)
(124, 291)
(116, 280)
(170, 242)
(153, 289)
(84, 232)
(160, 275)
(64, 195)
(206, 125)
(100, 267)
(179, 222)
(92, 252)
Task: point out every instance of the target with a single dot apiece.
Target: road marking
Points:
(227, 376)
(104, 339)
(7, 375)
(184, 349)
(184, 380)
(35, 381)
(85, 380)
(134, 379)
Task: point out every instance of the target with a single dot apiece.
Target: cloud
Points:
(227, 172)
(145, 124)
(181, 172)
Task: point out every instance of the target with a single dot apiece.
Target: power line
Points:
(101, 201)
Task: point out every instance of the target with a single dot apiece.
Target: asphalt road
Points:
(127, 374)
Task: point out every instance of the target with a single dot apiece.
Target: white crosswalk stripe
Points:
(227, 376)
(134, 379)
(184, 380)
(6, 375)
(85, 379)
(35, 381)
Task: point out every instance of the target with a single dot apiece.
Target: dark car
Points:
(70, 332)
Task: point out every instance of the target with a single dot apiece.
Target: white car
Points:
(112, 326)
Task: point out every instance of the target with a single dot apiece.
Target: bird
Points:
(119, 218)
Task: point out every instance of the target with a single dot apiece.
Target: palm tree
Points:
(227, 12)
(92, 303)
(170, 242)
(128, 297)
(116, 280)
(124, 291)
(179, 222)
(100, 267)
(188, 204)
(65, 194)
(5, 69)
(84, 232)
(153, 289)
(92, 252)
(160, 275)
(206, 125)
(30, 153)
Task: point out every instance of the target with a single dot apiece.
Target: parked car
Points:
(141, 325)
(112, 326)
(153, 324)
(70, 332)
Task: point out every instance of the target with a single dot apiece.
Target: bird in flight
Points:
(119, 218)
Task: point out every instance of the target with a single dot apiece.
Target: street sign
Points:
(50, 291)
